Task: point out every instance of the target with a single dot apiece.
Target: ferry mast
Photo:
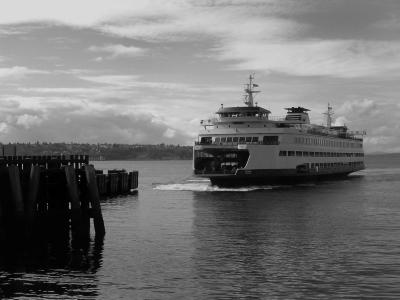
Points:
(249, 98)
(329, 113)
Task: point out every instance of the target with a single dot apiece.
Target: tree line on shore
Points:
(103, 151)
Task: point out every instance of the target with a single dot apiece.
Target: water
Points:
(182, 238)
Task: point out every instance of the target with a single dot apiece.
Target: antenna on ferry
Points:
(249, 98)
(329, 113)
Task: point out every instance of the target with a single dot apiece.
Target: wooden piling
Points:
(73, 194)
(94, 198)
(42, 198)
(16, 191)
(32, 198)
(133, 180)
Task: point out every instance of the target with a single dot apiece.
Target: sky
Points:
(147, 71)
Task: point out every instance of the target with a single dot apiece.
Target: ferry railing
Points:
(348, 135)
(229, 143)
(277, 118)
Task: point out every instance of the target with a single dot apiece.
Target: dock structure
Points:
(56, 195)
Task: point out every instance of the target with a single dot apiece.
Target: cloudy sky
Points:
(147, 71)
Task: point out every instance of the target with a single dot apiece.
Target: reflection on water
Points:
(303, 242)
(50, 268)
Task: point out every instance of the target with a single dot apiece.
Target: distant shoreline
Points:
(167, 159)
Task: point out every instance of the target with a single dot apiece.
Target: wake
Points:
(205, 186)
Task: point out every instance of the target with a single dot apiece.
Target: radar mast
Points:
(249, 98)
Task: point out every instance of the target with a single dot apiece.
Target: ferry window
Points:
(248, 139)
(255, 139)
(217, 140)
(282, 153)
(270, 140)
(206, 140)
(305, 153)
(290, 153)
(299, 153)
(235, 139)
(229, 139)
(312, 154)
(223, 139)
(242, 139)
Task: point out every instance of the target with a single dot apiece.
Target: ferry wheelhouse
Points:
(245, 145)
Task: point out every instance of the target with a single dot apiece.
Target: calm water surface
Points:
(182, 238)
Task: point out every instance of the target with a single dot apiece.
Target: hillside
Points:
(102, 151)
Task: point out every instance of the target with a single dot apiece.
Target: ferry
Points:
(245, 145)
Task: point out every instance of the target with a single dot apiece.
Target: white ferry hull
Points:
(273, 176)
(263, 164)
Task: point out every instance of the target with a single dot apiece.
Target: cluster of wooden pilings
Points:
(116, 182)
(55, 195)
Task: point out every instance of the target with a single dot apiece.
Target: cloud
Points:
(378, 118)
(27, 121)
(339, 58)
(131, 81)
(192, 22)
(3, 127)
(63, 119)
(169, 133)
(365, 107)
(79, 13)
(272, 36)
(17, 72)
(264, 41)
(119, 50)
(59, 90)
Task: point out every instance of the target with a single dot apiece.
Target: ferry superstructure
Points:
(245, 145)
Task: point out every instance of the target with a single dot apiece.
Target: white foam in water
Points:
(198, 180)
(205, 186)
(373, 172)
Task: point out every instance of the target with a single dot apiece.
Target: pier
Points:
(56, 196)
